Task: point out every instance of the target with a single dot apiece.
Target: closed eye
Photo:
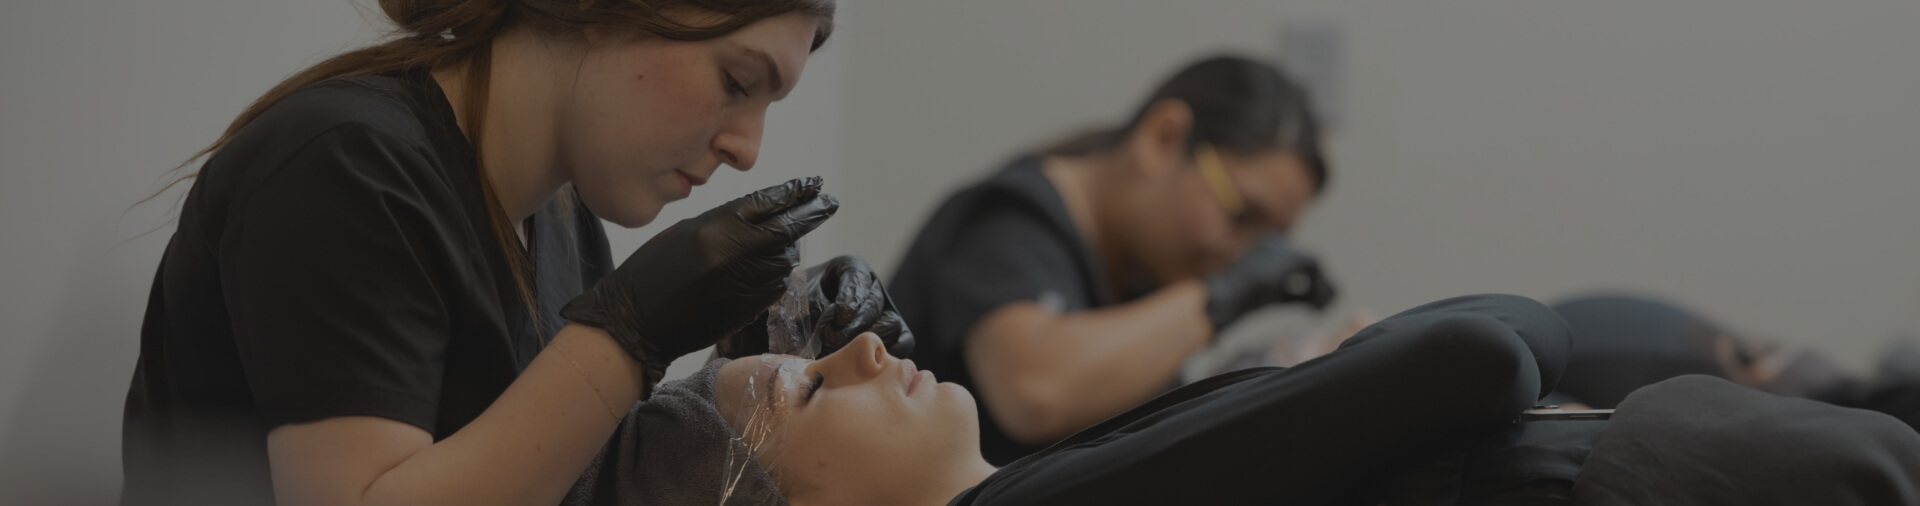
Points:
(814, 386)
(733, 85)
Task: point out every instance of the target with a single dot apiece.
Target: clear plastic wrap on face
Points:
(764, 404)
(788, 333)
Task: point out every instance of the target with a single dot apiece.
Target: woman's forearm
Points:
(528, 447)
(1045, 375)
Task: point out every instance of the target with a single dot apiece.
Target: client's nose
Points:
(872, 357)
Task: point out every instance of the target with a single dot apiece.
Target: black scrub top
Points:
(335, 259)
(1006, 239)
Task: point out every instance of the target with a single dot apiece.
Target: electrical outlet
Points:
(1313, 52)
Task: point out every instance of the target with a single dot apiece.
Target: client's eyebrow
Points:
(772, 376)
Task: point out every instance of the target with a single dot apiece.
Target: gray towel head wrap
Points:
(675, 448)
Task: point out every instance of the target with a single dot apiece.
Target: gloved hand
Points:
(844, 299)
(705, 277)
(1269, 273)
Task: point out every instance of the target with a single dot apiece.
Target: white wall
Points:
(1753, 159)
(97, 100)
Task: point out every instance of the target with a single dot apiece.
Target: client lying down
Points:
(861, 427)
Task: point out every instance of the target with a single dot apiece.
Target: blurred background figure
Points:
(1074, 283)
(1626, 342)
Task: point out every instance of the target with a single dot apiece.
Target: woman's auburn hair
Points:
(437, 34)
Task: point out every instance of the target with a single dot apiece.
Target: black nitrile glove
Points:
(1269, 273)
(705, 277)
(844, 299)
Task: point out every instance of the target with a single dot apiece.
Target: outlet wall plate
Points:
(1313, 52)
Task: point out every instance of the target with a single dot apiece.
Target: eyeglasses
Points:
(1215, 173)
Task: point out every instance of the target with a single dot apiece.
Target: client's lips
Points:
(912, 375)
(693, 179)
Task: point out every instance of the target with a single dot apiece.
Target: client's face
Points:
(857, 421)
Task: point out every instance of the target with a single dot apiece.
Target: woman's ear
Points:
(1158, 143)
